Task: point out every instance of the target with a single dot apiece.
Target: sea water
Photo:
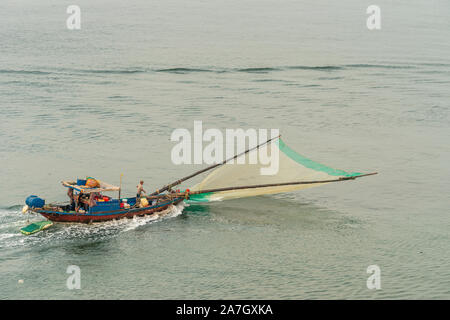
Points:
(103, 101)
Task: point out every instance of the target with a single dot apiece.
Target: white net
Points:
(292, 167)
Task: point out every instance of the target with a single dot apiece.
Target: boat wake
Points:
(11, 220)
(136, 222)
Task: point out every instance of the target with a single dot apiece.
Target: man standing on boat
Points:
(72, 199)
(140, 189)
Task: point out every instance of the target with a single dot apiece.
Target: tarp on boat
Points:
(85, 189)
(292, 167)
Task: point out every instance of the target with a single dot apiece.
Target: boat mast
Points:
(167, 187)
(120, 185)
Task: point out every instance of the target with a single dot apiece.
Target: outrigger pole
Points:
(167, 187)
(187, 193)
(120, 186)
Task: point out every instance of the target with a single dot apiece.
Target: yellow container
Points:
(144, 202)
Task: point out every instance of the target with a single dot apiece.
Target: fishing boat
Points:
(228, 180)
(105, 208)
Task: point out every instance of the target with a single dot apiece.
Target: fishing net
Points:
(292, 167)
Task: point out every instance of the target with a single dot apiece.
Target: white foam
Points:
(7, 235)
(60, 232)
(171, 212)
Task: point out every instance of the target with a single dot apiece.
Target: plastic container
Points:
(35, 202)
(29, 199)
(144, 202)
(81, 182)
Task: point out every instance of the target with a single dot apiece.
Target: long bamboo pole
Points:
(184, 194)
(208, 168)
(120, 186)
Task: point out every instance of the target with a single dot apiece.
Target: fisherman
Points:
(92, 201)
(140, 189)
(72, 199)
(80, 202)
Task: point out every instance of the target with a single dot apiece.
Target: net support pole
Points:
(158, 191)
(263, 186)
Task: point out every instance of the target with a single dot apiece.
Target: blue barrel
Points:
(81, 182)
(35, 202)
(29, 199)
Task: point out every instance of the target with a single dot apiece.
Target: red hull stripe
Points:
(87, 217)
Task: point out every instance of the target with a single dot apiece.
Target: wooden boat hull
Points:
(58, 216)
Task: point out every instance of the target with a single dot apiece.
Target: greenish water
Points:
(104, 100)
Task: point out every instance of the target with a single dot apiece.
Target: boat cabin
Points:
(92, 198)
